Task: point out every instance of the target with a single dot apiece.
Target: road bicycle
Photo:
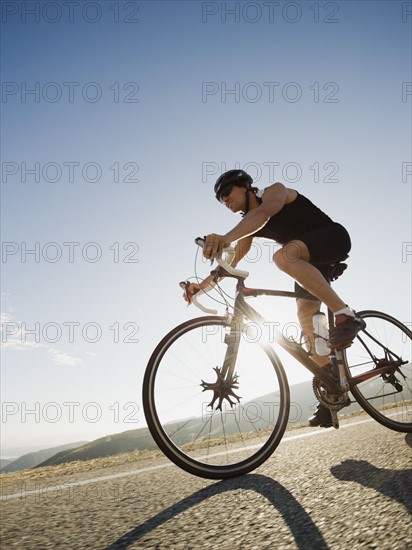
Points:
(216, 397)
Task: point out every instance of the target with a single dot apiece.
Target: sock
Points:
(344, 311)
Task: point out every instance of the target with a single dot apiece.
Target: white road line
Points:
(39, 491)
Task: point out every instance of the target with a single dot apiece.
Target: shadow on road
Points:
(396, 484)
(304, 530)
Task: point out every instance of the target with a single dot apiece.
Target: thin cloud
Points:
(61, 358)
(4, 317)
(17, 345)
(16, 341)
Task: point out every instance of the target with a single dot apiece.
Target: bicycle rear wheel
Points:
(380, 366)
(202, 440)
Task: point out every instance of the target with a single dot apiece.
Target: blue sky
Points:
(127, 129)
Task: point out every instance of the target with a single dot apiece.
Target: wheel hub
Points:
(222, 389)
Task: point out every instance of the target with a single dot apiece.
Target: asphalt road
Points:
(337, 489)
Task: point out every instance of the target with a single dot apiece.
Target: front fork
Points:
(227, 380)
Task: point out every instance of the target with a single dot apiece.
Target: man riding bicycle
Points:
(311, 241)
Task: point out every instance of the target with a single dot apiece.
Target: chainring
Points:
(334, 402)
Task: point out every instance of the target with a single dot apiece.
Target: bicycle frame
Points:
(181, 368)
(243, 310)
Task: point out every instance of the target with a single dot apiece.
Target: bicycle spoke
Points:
(379, 363)
(192, 405)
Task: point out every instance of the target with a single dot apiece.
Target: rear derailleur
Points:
(389, 377)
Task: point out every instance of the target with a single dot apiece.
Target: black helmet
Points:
(232, 177)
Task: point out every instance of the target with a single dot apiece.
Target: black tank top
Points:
(295, 218)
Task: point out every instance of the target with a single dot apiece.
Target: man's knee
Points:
(289, 254)
(283, 258)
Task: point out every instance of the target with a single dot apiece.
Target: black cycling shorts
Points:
(326, 246)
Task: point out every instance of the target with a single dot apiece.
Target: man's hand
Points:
(214, 246)
(190, 290)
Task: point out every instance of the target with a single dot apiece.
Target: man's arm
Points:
(242, 248)
(273, 200)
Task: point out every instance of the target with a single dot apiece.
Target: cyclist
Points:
(310, 240)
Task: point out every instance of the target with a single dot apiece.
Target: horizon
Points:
(35, 447)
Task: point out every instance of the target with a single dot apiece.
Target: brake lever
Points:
(200, 241)
(184, 285)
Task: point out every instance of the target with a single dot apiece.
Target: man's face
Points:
(234, 197)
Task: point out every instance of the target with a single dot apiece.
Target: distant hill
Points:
(31, 460)
(303, 404)
(4, 462)
(110, 445)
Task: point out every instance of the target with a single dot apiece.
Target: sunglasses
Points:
(225, 192)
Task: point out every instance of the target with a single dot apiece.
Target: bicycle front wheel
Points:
(194, 433)
(379, 363)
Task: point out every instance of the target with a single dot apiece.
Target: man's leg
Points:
(306, 311)
(293, 259)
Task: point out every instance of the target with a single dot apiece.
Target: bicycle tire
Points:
(389, 402)
(165, 370)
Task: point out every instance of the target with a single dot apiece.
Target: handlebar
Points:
(225, 264)
(184, 285)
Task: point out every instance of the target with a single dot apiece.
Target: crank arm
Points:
(343, 381)
(335, 420)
